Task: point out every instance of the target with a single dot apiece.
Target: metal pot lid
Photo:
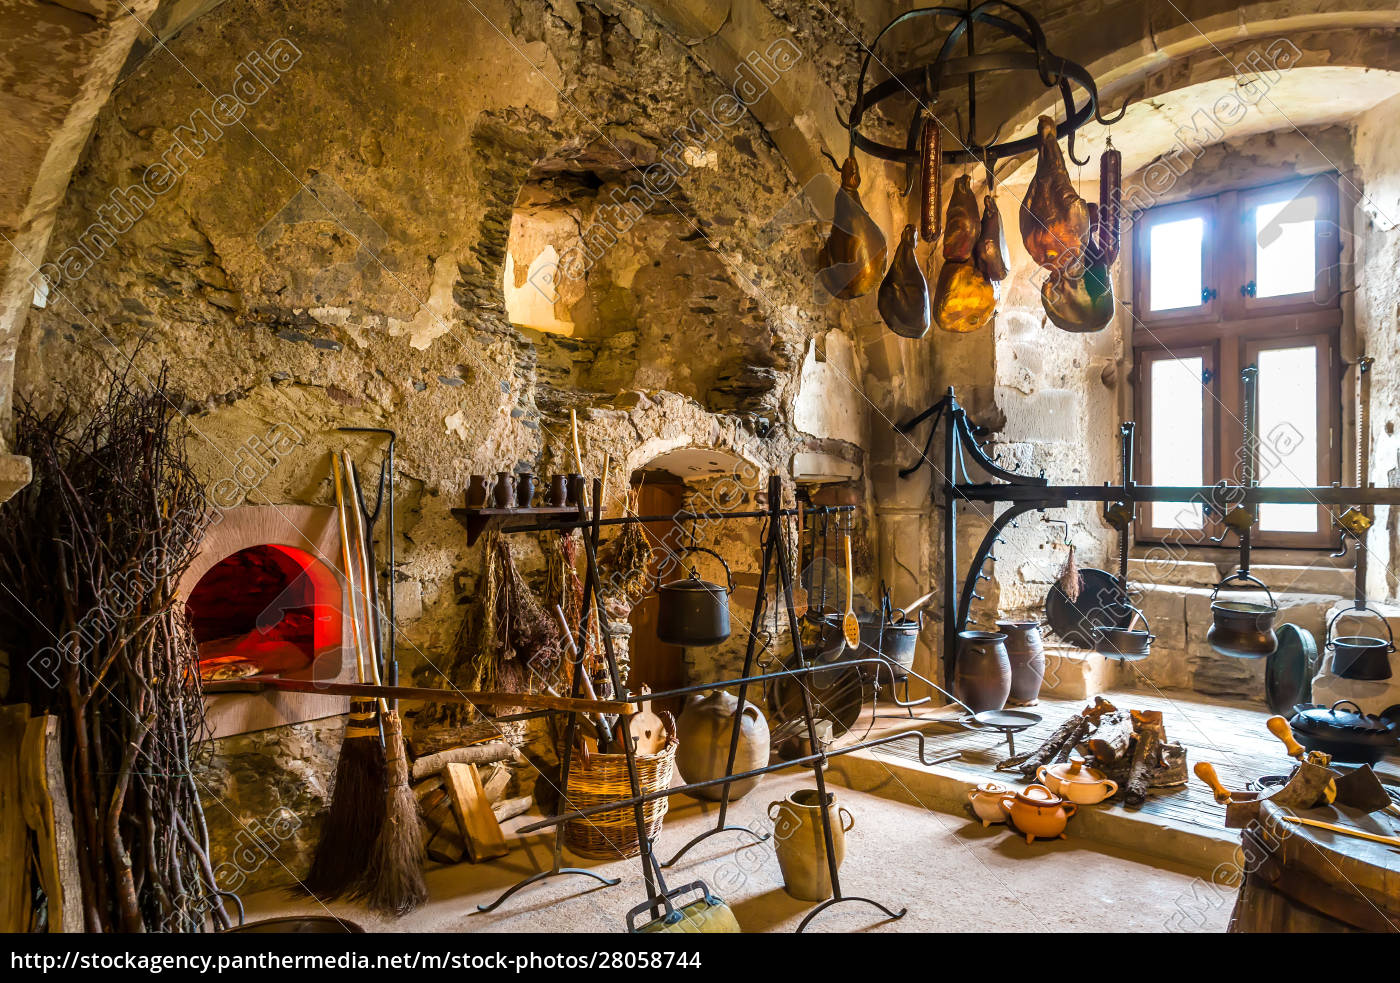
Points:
(1343, 716)
(1289, 670)
(695, 584)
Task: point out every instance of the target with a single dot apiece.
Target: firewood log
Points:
(481, 754)
(510, 808)
(1108, 741)
(1144, 750)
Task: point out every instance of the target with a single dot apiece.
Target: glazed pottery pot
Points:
(1077, 782)
(801, 845)
(705, 730)
(1039, 812)
(559, 491)
(985, 800)
(525, 490)
(505, 490)
(478, 491)
(1026, 650)
(575, 482)
(982, 673)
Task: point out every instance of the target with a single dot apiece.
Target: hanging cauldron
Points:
(1242, 629)
(1360, 656)
(1125, 644)
(694, 612)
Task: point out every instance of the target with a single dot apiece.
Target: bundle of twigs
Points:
(90, 554)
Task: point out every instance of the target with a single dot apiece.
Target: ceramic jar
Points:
(801, 846)
(1039, 812)
(478, 491)
(985, 800)
(504, 497)
(559, 491)
(525, 490)
(705, 730)
(1026, 651)
(1077, 782)
(982, 672)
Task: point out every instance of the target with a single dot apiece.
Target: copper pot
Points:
(1242, 629)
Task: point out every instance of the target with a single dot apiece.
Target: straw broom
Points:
(357, 802)
(393, 879)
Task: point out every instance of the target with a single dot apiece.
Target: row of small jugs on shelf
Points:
(1044, 808)
(509, 490)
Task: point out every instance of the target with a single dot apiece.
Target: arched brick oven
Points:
(266, 591)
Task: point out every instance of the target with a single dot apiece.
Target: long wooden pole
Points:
(427, 694)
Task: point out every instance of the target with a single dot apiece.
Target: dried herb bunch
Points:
(90, 553)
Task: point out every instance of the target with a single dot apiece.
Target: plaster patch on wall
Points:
(434, 318)
(828, 400)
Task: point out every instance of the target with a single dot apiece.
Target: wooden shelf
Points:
(478, 521)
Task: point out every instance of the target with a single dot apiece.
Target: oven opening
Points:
(265, 610)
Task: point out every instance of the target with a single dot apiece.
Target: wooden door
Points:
(654, 663)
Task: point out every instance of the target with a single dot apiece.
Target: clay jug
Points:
(1025, 649)
(982, 674)
(704, 732)
(801, 845)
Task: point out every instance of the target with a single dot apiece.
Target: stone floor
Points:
(952, 874)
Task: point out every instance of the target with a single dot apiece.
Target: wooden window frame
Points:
(1233, 328)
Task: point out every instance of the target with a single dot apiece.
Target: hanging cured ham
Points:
(853, 256)
(1055, 221)
(1080, 304)
(903, 298)
(961, 226)
(965, 298)
(990, 251)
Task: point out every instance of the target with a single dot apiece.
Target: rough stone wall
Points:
(1376, 314)
(337, 258)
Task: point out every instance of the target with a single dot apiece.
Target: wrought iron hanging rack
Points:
(1027, 52)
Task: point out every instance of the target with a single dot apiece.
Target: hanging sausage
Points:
(1054, 219)
(990, 251)
(930, 179)
(853, 256)
(1107, 223)
(903, 297)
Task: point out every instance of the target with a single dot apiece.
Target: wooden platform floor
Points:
(1233, 738)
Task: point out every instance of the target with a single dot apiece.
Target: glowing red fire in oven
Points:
(264, 610)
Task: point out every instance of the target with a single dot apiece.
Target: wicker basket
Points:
(612, 834)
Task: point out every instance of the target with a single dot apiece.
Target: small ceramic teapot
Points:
(1039, 812)
(986, 802)
(1077, 782)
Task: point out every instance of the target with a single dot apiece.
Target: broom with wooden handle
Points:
(357, 801)
(393, 880)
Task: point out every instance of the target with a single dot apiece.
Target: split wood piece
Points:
(444, 838)
(480, 754)
(510, 808)
(1064, 738)
(15, 902)
(426, 694)
(1109, 741)
(47, 813)
(478, 824)
(1149, 736)
(497, 783)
